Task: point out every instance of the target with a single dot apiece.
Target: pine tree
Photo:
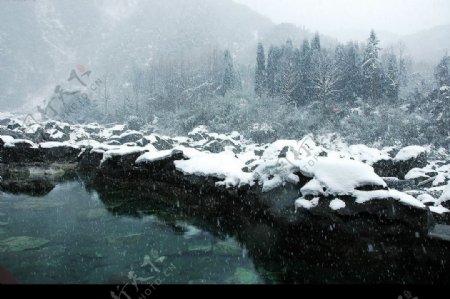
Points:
(315, 43)
(372, 70)
(260, 76)
(305, 73)
(229, 75)
(288, 73)
(273, 67)
(441, 72)
(392, 82)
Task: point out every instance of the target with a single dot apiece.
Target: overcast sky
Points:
(348, 18)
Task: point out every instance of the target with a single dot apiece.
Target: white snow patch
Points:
(53, 144)
(223, 165)
(341, 177)
(154, 156)
(426, 198)
(439, 210)
(121, 151)
(445, 196)
(337, 204)
(306, 204)
(366, 154)
(365, 196)
(12, 143)
(6, 138)
(410, 152)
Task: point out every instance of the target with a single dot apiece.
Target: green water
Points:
(69, 236)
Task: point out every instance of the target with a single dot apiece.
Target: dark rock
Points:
(395, 183)
(393, 168)
(214, 147)
(89, 160)
(130, 137)
(34, 187)
(162, 144)
(13, 125)
(27, 154)
(113, 142)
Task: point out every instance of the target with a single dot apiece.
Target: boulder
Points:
(399, 168)
(33, 187)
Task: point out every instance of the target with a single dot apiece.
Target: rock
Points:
(12, 125)
(398, 168)
(33, 187)
(214, 147)
(22, 243)
(162, 144)
(132, 136)
(400, 185)
(244, 276)
(113, 142)
(26, 154)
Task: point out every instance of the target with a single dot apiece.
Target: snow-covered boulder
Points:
(340, 177)
(406, 159)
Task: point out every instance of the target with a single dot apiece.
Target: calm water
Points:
(70, 236)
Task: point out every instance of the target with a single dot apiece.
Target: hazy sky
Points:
(344, 18)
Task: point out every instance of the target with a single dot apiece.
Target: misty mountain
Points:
(429, 45)
(114, 36)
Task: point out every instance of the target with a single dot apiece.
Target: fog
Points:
(351, 19)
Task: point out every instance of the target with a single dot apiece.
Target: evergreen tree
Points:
(372, 69)
(288, 67)
(305, 73)
(315, 43)
(230, 80)
(353, 76)
(273, 77)
(441, 72)
(260, 76)
(392, 83)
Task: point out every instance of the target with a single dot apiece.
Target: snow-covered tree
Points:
(372, 68)
(260, 73)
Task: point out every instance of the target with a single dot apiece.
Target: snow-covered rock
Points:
(334, 176)
(410, 152)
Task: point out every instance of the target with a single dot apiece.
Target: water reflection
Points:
(79, 233)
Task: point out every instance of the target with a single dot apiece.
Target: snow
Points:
(409, 152)
(6, 138)
(341, 177)
(426, 198)
(274, 173)
(365, 196)
(306, 204)
(416, 173)
(445, 194)
(366, 154)
(12, 143)
(153, 156)
(337, 204)
(199, 130)
(53, 144)
(439, 210)
(313, 187)
(121, 151)
(223, 165)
